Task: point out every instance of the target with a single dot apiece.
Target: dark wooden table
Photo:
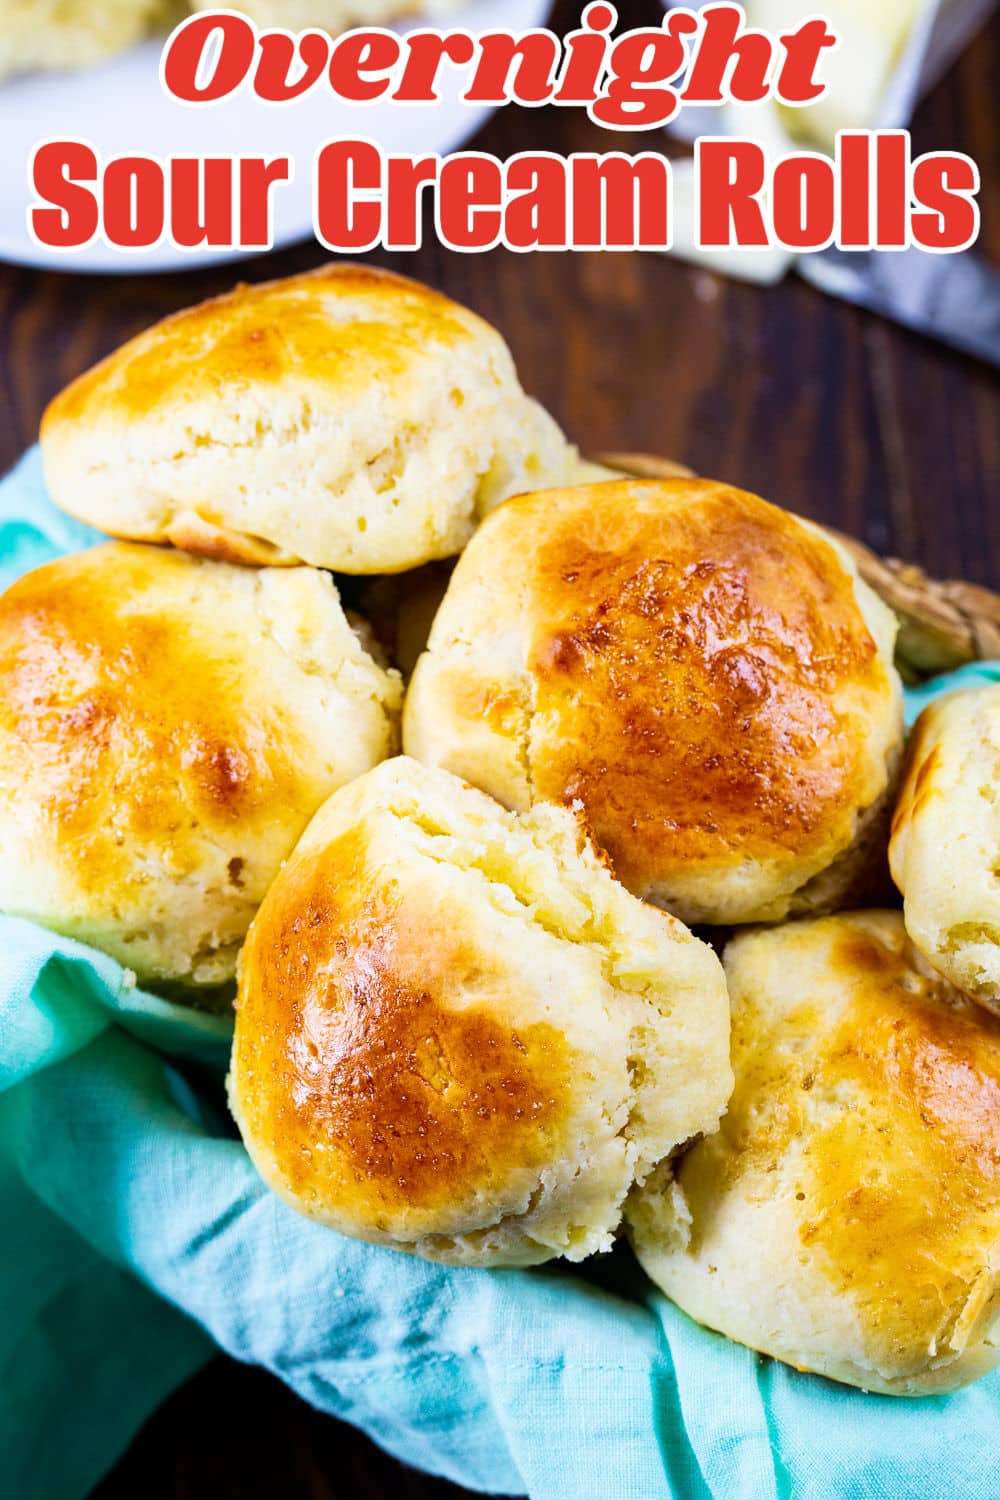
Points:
(807, 401)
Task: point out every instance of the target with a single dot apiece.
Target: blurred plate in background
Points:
(119, 107)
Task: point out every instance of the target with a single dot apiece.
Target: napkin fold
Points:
(138, 1238)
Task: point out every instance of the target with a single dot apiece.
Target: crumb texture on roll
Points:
(945, 847)
(458, 1035)
(846, 1216)
(168, 726)
(57, 34)
(349, 418)
(703, 675)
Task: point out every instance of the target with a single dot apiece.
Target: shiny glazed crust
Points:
(347, 418)
(167, 728)
(846, 1217)
(701, 674)
(457, 1034)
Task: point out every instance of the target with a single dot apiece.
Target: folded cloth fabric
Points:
(137, 1237)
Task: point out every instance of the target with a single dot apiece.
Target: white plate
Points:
(120, 107)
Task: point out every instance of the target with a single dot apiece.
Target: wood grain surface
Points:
(810, 402)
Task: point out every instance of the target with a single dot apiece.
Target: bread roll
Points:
(945, 848)
(56, 34)
(456, 1034)
(846, 1217)
(703, 675)
(167, 728)
(350, 419)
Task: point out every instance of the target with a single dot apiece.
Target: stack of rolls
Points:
(172, 716)
(472, 1021)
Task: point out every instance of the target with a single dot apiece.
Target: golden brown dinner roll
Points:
(39, 34)
(846, 1216)
(457, 1034)
(350, 418)
(700, 673)
(168, 726)
(945, 849)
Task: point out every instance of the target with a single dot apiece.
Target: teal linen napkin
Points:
(137, 1237)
